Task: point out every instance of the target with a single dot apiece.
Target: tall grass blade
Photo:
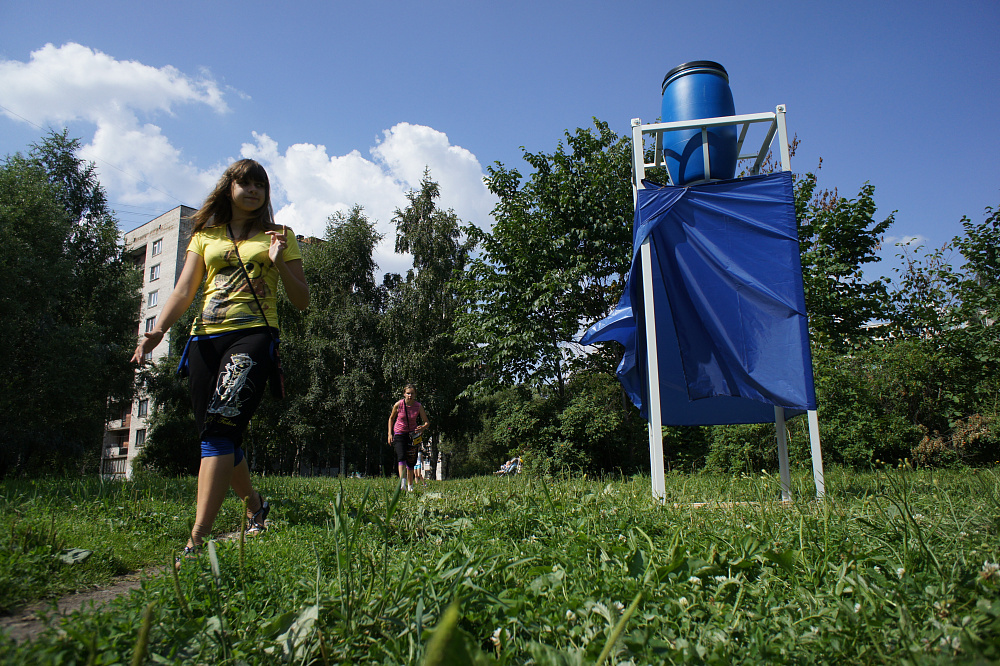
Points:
(142, 642)
(619, 628)
(447, 646)
(172, 568)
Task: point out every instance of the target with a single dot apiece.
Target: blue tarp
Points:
(731, 334)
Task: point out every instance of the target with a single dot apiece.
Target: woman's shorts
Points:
(406, 452)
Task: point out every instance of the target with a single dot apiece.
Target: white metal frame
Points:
(777, 127)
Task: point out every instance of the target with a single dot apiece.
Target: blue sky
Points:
(347, 102)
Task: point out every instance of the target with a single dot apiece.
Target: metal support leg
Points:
(817, 454)
(786, 477)
(653, 370)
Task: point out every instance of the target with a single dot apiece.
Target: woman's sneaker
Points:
(256, 524)
(190, 553)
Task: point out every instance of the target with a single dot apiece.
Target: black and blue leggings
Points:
(228, 376)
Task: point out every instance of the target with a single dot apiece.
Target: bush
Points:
(590, 429)
(750, 448)
(870, 403)
(971, 441)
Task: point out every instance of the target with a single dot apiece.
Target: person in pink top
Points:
(406, 420)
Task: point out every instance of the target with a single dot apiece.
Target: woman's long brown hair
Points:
(217, 211)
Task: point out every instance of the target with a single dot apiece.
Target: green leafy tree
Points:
(68, 313)
(945, 308)
(554, 262)
(838, 237)
(419, 322)
(339, 348)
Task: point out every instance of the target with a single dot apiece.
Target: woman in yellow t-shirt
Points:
(229, 356)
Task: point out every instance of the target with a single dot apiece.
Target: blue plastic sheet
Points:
(731, 334)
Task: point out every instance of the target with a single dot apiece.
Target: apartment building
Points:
(158, 248)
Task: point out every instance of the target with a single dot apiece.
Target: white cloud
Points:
(407, 149)
(70, 82)
(914, 240)
(138, 164)
(73, 83)
(311, 185)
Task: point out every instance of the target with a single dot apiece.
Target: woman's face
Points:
(410, 395)
(249, 195)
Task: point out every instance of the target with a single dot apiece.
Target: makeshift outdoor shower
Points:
(713, 316)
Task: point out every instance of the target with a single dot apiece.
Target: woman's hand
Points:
(146, 345)
(279, 241)
(292, 275)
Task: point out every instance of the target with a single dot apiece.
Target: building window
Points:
(152, 298)
(157, 247)
(150, 324)
(143, 407)
(154, 272)
(140, 438)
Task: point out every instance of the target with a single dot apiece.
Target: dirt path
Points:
(27, 622)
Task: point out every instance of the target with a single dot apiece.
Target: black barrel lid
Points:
(694, 64)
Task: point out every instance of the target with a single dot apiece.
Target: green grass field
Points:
(897, 566)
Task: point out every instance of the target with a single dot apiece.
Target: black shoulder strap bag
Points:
(277, 376)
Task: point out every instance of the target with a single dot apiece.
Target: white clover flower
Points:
(720, 579)
(954, 643)
(683, 602)
(621, 537)
(694, 580)
(900, 571)
(495, 638)
(620, 607)
(570, 616)
(878, 569)
(857, 607)
(991, 571)
(469, 573)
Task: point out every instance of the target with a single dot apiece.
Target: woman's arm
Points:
(392, 418)
(178, 302)
(292, 275)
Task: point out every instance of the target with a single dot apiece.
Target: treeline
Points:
(68, 311)
(485, 322)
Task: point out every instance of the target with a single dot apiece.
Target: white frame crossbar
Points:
(776, 127)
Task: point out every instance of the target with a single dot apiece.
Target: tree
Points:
(338, 347)
(69, 311)
(554, 263)
(838, 237)
(419, 323)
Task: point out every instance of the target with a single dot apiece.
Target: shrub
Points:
(971, 441)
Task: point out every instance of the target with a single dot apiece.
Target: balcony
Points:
(120, 424)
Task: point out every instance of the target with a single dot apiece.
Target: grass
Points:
(895, 566)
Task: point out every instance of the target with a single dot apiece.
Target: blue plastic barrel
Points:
(698, 89)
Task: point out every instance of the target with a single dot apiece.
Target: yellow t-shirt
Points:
(228, 304)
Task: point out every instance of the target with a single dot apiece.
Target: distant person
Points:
(418, 469)
(512, 466)
(240, 254)
(407, 422)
